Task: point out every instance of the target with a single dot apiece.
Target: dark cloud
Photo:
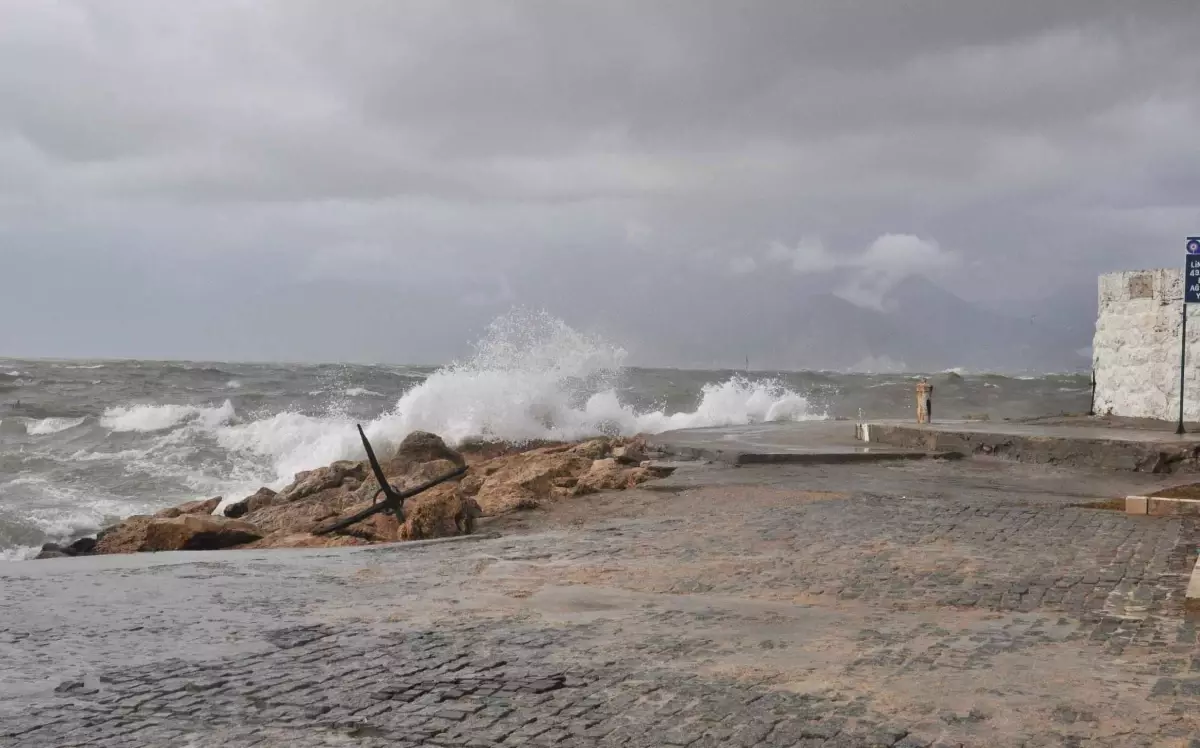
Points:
(611, 160)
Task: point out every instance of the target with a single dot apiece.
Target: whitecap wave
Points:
(160, 417)
(362, 392)
(47, 426)
(532, 377)
(19, 553)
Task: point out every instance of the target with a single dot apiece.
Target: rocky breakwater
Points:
(499, 479)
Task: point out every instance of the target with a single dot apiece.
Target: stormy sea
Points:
(83, 443)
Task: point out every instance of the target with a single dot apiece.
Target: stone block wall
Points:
(1136, 349)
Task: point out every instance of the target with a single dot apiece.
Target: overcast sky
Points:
(374, 179)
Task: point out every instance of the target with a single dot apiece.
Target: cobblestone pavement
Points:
(890, 605)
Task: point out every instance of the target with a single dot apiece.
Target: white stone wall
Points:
(1136, 348)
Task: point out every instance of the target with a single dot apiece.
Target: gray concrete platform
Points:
(907, 604)
(804, 442)
(1072, 441)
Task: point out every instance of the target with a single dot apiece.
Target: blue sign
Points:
(1191, 277)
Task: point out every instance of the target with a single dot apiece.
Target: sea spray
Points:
(147, 418)
(156, 434)
(531, 377)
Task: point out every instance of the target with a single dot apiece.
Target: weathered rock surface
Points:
(501, 478)
(261, 499)
(203, 506)
(311, 482)
(283, 539)
(524, 481)
(187, 532)
(421, 447)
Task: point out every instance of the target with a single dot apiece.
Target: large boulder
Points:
(197, 532)
(632, 452)
(337, 475)
(526, 480)
(440, 512)
(203, 506)
(302, 515)
(612, 475)
(262, 498)
(593, 449)
(128, 536)
(187, 532)
(419, 447)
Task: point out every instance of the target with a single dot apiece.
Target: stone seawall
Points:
(1137, 344)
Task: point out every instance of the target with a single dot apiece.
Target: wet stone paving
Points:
(772, 607)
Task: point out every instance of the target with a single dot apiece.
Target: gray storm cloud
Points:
(702, 180)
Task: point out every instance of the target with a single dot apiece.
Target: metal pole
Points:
(1092, 407)
(1182, 361)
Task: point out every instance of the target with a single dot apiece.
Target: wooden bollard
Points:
(924, 402)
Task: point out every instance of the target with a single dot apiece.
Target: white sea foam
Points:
(19, 553)
(87, 366)
(48, 426)
(532, 377)
(362, 391)
(233, 384)
(159, 417)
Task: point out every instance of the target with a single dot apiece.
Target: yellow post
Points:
(924, 401)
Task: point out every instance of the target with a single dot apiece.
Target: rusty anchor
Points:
(393, 500)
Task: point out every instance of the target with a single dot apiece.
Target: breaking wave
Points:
(532, 377)
(47, 426)
(160, 417)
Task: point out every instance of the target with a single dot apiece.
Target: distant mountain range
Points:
(920, 327)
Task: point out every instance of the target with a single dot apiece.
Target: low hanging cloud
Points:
(218, 179)
(872, 272)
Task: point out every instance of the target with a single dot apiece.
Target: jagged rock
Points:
(52, 550)
(197, 532)
(501, 478)
(81, 547)
(523, 481)
(477, 451)
(262, 498)
(438, 513)
(593, 449)
(303, 515)
(310, 482)
(127, 536)
(632, 453)
(284, 539)
(611, 475)
(422, 446)
(187, 532)
(202, 506)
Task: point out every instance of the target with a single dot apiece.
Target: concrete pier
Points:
(806, 442)
(1073, 441)
(1117, 444)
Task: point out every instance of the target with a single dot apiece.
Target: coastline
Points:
(489, 479)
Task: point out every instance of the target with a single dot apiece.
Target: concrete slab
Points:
(1191, 600)
(805, 442)
(1086, 444)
